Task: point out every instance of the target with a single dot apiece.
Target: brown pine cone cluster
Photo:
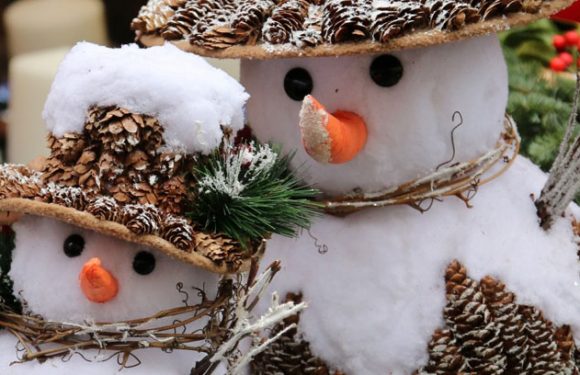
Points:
(117, 155)
(18, 182)
(219, 24)
(487, 332)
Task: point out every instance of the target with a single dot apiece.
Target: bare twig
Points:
(564, 179)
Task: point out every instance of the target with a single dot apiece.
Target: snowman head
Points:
(397, 88)
(67, 273)
(372, 121)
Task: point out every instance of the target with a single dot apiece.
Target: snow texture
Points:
(190, 98)
(409, 124)
(374, 280)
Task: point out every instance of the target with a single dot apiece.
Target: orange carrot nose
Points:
(331, 138)
(98, 284)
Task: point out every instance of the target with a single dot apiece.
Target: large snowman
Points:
(393, 107)
(102, 234)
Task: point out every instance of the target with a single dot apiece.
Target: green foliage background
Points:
(539, 101)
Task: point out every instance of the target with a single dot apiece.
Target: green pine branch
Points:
(251, 202)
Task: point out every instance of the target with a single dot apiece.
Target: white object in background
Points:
(30, 77)
(39, 24)
(230, 66)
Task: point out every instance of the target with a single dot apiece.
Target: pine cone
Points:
(19, 182)
(491, 8)
(290, 354)
(513, 330)
(567, 349)
(187, 18)
(390, 20)
(345, 20)
(450, 14)
(543, 355)
(171, 195)
(67, 196)
(221, 250)
(311, 36)
(68, 148)
(154, 15)
(444, 355)
(177, 231)
(141, 219)
(471, 322)
(286, 19)
(104, 208)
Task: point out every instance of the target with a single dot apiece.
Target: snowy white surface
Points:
(376, 296)
(191, 98)
(409, 125)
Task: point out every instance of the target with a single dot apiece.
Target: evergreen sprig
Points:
(249, 192)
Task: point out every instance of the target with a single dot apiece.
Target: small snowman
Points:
(395, 108)
(110, 270)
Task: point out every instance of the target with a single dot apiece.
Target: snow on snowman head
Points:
(104, 233)
(368, 92)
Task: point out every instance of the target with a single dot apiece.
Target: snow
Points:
(409, 125)
(191, 98)
(377, 294)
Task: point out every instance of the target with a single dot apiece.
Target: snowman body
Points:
(374, 280)
(47, 279)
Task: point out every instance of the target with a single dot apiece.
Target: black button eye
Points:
(144, 263)
(298, 84)
(73, 245)
(386, 70)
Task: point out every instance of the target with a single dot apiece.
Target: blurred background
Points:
(36, 34)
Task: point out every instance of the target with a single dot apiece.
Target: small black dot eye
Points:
(386, 70)
(73, 245)
(144, 263)
(298, 84)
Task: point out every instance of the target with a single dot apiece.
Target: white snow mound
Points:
(190, 98)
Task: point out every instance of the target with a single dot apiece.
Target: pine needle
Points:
(248, 192)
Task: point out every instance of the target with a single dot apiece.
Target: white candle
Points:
(37, 24)
(30, 77)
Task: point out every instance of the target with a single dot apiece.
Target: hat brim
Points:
(417, 39)
(109, 228)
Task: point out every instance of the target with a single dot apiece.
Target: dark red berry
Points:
(571, 37)
(559, 42)
(566, 57)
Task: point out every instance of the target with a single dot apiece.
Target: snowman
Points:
(431, 259)
(103, 246)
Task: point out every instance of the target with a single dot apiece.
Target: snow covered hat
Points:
(264, 29)
(126, 128)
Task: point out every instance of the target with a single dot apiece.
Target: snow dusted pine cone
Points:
(389, 20)
(345, 20)
(523, 341)
(450, 14)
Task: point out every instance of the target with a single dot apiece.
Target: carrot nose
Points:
(98, 284)
(331, 138)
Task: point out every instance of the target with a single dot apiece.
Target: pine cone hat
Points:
(291, 28)
(126, 128)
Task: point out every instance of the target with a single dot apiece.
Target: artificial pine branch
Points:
(248, 192)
